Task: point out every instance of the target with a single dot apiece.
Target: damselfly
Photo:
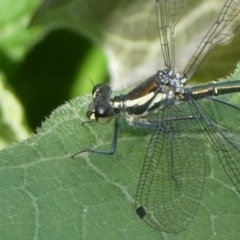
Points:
(172, 177)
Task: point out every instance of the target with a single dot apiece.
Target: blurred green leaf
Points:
(127, 32)
(97, 70)
(45, 75)
(16, 38)
(15, 41)
(12, 127)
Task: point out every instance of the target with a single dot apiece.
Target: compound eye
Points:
(91, 111)
(101, 91)
(104, 113)
(90, 114)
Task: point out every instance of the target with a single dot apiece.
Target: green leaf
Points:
(48, 195)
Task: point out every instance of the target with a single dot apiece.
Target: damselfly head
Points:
(101, 91)
(100, 109)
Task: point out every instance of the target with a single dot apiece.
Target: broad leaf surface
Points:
(48, 195)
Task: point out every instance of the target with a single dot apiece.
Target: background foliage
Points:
(52, 51)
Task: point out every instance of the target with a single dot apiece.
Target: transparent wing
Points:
(172, 177)
(169, 13)
(224, 136)
(219, 33)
